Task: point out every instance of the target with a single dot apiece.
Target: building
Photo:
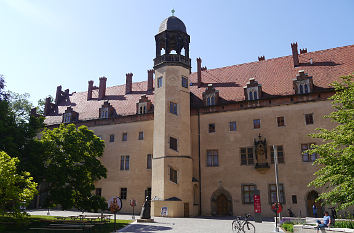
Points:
(201, 143)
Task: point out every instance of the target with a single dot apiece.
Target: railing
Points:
(172, 58)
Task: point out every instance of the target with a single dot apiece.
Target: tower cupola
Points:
(172, 44)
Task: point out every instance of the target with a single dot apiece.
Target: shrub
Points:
(288, 226)
(344, 224)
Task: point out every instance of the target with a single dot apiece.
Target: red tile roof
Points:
(275, 75)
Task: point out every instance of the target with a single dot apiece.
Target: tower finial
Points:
(173, 12)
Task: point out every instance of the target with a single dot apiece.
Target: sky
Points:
(47, 43)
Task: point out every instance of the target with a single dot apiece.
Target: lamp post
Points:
(276, 184)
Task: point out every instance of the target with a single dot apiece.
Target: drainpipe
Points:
(200, 178)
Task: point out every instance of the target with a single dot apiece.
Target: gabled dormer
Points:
(70, 116)
(144, 105)
(106, 110)
(303, 84)
(253, 90)
(210, 96)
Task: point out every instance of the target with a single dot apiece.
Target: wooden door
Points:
(221, 205)
(186, 209)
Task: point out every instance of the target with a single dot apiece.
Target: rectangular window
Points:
(233, 126)
(173, 175)
(67, 117)
(141, 135)
(212, 158)
(309, 119)
(305, 156)
(159, 82)
(122, 159)
(280, 153)
(247, 193)
(127, 162)
(98, 191)
(273, 193)
(211, 100)
(184, 82)
(123, 193)
(173, 143)
(173, 108)
(280, 121)
(124, 136)
(247, 156)
(212, 128)
(124, 162)
(104, 113)
(111, 138)
(257, 124)
(148, 161)
(294, 199)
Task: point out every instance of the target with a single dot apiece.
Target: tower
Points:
(172, 162)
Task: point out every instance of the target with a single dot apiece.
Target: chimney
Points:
(150, 80)
(47, 106)
(302, 51)
(204, 68)
(199, 71)
(58, 95)
(128, 83)
(33, 112)
(295, 54)
(102, 88)
(89, 90)
(261, 58)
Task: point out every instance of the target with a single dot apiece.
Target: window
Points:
(98, 191)
(173, 143)
(280, 121)
(67, 118)
(211, 100)
(159, 82)
(212, 158)
(233, 126)
(257, 124)
(111, 138)
(247, 193)
(148, 193)
(294, 199)
(123, 193)
(173, 108)
(212, 128)
(124, 136)
(247, 156)
(104, 113)
(142, 108)
(173, 175)
(148, 161)
(280, 154)
(305, 156)
(273, 193)
(309, 119)
(184, 82)
(141, 135)
(124, 162)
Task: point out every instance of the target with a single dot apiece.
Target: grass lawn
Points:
(15, 225)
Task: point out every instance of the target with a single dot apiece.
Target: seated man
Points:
(326, 221)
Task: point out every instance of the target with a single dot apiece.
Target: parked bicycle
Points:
(241, 224)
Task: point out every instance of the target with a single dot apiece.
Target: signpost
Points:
(257, 206)
(164, 212)
(133, 204)
(115, 205)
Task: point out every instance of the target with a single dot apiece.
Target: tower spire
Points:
(173, 12)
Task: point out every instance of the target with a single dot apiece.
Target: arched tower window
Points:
(303, 84)
(253, 90)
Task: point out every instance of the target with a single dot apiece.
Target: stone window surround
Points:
(250, 192)
(309, 119)
(280, 152)
(248, 155)
(124, 162)
(123, 193)
(212, 158)
(272, 191)
(159, 82)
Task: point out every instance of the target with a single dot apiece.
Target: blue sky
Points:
(46, 43)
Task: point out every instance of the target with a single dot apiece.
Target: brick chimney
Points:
(295, 54)
(102, 88)
(261, 58)
(89, 89)
(199, 71)
(58, 95)
(47, 106)
(128, 83)
(302, 51)
(150, 80)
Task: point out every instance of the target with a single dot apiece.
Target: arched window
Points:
(301, 89)
(306, 89)
(251, 95)
(255, 95)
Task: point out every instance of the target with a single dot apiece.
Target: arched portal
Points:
(221, 203)
(310, 201)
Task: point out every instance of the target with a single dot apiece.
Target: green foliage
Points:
(20, 106)
(344, 224)
(288, 226)
(41, 104)
(16, 189)
(336, 156)
(73, 153)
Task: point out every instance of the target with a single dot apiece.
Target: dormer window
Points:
(106, 111)
(253, 90)
(210, 96)
(70, 116)
(67, 117)
(144, 105)
(142, 108)
(302, 84)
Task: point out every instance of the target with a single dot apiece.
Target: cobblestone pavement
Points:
(192, 225)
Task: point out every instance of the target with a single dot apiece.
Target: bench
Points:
(55, 229)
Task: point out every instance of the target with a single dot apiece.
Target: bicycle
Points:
(243, 225)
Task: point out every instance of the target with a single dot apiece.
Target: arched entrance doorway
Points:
(311, 200)
(221, 203)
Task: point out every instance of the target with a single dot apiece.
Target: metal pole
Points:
(276, 183)
(114, 221)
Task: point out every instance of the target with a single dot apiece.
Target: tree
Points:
(71, 166)
(16, 188)
(336, 156)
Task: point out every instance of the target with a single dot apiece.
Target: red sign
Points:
(257, 203)
(132, 203)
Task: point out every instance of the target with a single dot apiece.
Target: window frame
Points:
(212, 158)
(281, 193)
(211, 128)
(104, 113)
(245, 156)
(255, 124)
(280, 123)
(173, 108)
(123, 193)
(249, 192)
(111, 138)
(184, 82)
(141, 135)
(309, 157)
(280, 152)
(124, 137)
(171, 142)
(148, 161)
(98, 192)
(231, 128)
(67, 117)
(159, 82)
(124, 162)
(309, 120)
(173, 174)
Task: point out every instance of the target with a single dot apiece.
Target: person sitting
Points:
(326, 221)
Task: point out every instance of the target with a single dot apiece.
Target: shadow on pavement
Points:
(145, 228)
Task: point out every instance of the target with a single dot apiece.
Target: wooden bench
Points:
(55, 229)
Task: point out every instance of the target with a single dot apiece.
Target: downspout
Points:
(200, 178)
